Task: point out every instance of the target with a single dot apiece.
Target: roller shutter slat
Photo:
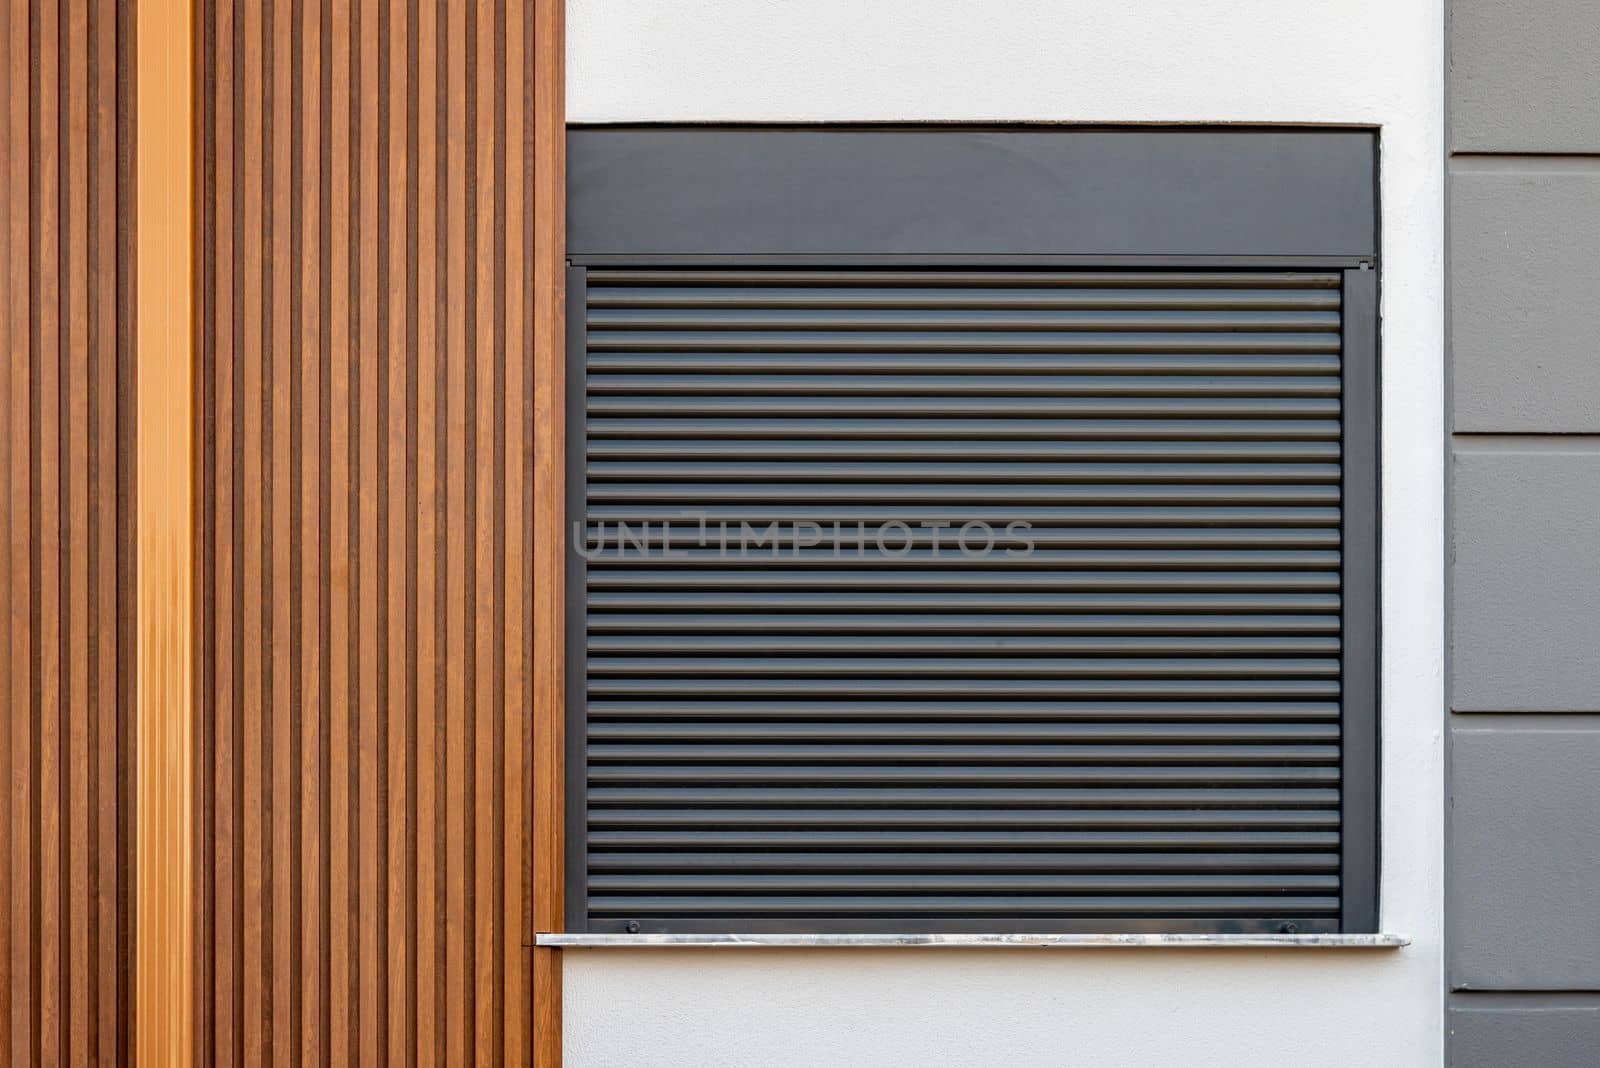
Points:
(1064, 560)
(1275, 771)
(963, 602)
(1268, 407)
(1140, 452)
(921, 513)
(1209, 797)
(943, 298)
(1208, 688)
(998, 838)
(721, 905)
(880, 818)
(948, 368)
(903, 730)
(601, 277)
(963, 472)
(1136, 724)
(901, 579)
(1052, 667)
(996, 711)
(967, 645)
(967, 623)
(886, 387)
(683, 861)
(900, 429)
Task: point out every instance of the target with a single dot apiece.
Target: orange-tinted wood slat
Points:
(66, 594)
(367, 495)
(545, 242)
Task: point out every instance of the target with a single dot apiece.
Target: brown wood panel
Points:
(372, 277)
(546, 252)
(66, 598)
(164, 520)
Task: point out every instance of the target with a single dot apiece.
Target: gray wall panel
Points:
(1525, 865)
(1525, 296)
(1523, 582)
(1552, 1031)
(1526, 577)
(1523, 76)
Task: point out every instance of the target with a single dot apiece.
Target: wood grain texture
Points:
(381, 254)
(66, 532)
(165, 565)
(546, 244)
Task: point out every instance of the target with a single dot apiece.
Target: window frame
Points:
(1359, 526)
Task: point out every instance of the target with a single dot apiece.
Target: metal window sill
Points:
(976, 941)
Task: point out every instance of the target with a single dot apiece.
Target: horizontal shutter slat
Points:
(1104, 339)
(757, 712)
(847, 863)
(958, 904)
(1184, 769)
(998, 838)
(942, 298)
(848, 365)
(600, 277)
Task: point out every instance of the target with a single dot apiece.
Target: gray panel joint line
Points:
(975, 941)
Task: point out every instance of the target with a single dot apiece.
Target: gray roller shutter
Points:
(1138, 725)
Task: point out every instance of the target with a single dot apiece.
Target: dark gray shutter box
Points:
(972, 531)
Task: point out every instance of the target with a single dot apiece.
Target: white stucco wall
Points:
(1373, 62)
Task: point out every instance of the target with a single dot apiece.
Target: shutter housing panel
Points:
(1115, 707)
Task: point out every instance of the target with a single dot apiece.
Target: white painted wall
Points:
(1336, 61)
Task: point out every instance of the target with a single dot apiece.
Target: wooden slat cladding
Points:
(65, 508)
(366, 488)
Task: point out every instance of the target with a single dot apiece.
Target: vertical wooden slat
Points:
(370, 700)
(549, 536)
(227, 857)
(207, 619)
(15, 335)
(75, 495)
(22, 359)
(485, 702)
(164, 377)
(400, 563)
(339, 585)
(514, 782)
(253, 264)
(47, 552)
(281, 354)
(102, 424)
(458, 980)
(430, 664)
(313, 355)
(9, 357)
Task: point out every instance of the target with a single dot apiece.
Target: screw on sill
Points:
(632, 927)
(1290, 928)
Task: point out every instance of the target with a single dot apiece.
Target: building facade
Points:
(336, 730)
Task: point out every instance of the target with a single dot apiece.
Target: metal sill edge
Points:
(976, 941)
